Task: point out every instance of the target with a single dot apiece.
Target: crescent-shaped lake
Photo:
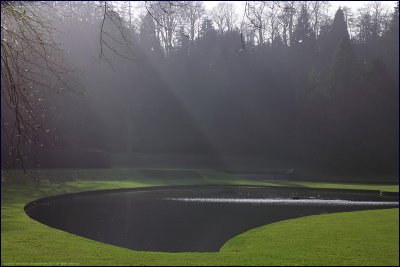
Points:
(191, 218)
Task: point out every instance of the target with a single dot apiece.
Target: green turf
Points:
(206, 176)
(387, 188)
(347, 238)
(354, 238)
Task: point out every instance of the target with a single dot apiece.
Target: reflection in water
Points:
(191, 218)
(318, 202)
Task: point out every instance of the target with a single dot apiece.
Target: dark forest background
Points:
(296, 86)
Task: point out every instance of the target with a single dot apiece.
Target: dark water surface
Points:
(191, 218)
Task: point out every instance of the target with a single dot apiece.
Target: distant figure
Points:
(290, 173)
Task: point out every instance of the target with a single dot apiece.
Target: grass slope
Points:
(354, 238)
(347, 238)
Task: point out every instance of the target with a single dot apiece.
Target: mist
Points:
(175, 133)
(275, 92)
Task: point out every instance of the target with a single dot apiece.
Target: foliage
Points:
(288, 84)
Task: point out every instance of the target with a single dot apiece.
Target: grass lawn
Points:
(350, 238)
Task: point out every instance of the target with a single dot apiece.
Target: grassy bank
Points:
(353, 238)
(167, 176)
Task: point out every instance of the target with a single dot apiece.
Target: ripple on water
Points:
(279, 201)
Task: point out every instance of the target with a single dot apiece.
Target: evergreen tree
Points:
(330, 38)
(345, 73)
(207, 28)
(392, 45)
(208, 37)
(339, 29)
(277, 43)
(303, 51)
(303, 33)
(183, 42)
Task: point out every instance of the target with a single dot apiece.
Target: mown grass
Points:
(195, 177)
(347, 238)
(352, 238)
(387, 188)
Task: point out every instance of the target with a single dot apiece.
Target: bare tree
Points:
(379, 14)
(373, 20)
(30, 63)
(319, 13)
(32, 66)
(113, 35)
(193, 13)
(349, 17)
(256, 13)
(290, 9)
(224, 16)
(273, 11)
(169, 20)
(247, 33)
(268, 19)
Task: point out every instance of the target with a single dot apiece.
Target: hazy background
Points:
(309, 90)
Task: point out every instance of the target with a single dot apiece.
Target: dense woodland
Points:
(286, 81)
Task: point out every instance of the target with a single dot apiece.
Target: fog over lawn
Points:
(286, 84)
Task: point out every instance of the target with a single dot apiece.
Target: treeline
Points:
(287, 82)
